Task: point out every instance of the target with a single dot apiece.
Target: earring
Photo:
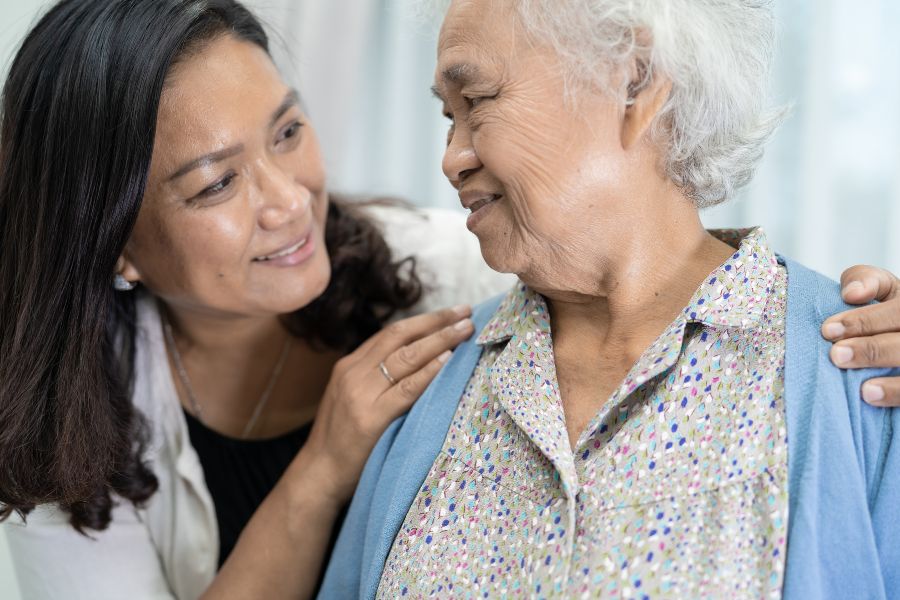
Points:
(123, 285)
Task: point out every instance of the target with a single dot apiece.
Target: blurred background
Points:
(828, 192)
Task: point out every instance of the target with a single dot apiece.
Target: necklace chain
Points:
(192, 397)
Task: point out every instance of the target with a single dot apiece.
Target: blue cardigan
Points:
(843, 469)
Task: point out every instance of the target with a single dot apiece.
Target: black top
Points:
(241, 473)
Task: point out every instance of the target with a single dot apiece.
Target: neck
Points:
(202, 333)
(626, 298)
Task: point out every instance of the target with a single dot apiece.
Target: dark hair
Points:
(79, 113)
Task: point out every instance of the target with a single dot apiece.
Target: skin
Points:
(194, 247)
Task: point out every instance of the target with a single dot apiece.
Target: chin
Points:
(498, 259)
(298, 293)
(312, 290)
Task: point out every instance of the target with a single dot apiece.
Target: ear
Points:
(127, 269)
(646, 97)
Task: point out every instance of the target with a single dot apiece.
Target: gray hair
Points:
(718, 55)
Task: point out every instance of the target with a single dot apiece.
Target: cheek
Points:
(307, 164)
(194, 249)
(556, 178)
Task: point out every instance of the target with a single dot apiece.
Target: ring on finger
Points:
(386, 373)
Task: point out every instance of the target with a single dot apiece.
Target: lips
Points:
(479, 203)
(283, 252)
(484, 202)
(475, 200)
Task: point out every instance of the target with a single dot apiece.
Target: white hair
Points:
(717, 54)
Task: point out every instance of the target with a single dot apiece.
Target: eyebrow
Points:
(459, 74)
(290, 100)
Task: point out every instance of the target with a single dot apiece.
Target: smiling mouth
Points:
(285, 252)
(479, 204)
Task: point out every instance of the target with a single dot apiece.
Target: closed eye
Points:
(219, 186)
(475, 101)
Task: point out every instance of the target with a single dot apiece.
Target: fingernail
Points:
(834, 331)
(872, 393)
(443, 358)
(854, 287)
(462, 310)
(464, 325)
(842, 355)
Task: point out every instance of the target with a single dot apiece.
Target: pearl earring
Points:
(123, 285)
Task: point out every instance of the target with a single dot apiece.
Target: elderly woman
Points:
(650, 412)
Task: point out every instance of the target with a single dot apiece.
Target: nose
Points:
(282, 197)
(460, 158)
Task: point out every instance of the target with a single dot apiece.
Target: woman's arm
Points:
(282, 548)
(281, 551)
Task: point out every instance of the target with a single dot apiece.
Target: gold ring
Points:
(386, 374)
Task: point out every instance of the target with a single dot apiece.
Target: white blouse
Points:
(168, 549)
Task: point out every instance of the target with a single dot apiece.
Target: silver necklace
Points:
(192, 398)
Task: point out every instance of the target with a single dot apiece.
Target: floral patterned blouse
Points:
(676, 489)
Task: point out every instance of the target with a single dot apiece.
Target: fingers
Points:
(862, 284)
(875, 351)
(408, 359)
(863, 321)
(400, 397)
(882, 392)
(406, 331)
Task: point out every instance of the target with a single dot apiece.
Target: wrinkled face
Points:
(543, 176)
(233, 218)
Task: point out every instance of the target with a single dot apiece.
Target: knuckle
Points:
(854, 323)
(397, 329)
(871, 352)
(408, 387)
(405, 356)
(854, 272)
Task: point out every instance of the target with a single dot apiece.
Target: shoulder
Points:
(447, 256)
(819, 395)
(812, 298)
(839, 448)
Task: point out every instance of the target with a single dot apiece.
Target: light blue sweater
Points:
(843, 469)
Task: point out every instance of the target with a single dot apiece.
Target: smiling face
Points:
(548, 179)
(233, 218)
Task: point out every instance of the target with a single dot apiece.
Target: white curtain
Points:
(828, 192)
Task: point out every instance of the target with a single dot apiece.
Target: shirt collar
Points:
(520, 308)
(733, 296)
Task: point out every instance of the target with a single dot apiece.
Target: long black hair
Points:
(79, 111)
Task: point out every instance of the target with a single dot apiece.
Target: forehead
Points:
(475, 32)
(214, 94)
